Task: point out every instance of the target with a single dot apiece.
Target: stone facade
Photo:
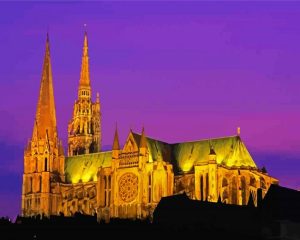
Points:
(128, 181)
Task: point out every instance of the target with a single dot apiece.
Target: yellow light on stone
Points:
(75, 179)
(86, 177)
(187, 166)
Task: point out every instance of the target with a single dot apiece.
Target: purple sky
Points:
(185, 71)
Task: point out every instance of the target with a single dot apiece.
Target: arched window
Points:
(40, 181)
(109, 182)
(36, 165)
(207, 187)
(105, 187)
(149, 188)
(263, 183)
(224, 182)
(233, 191)
(243, 190)
(30, 184)
(225, 196)
(46, 165)
(201, 188)
(80, 150)
(109, 190)
(252, 181)
(92, 147)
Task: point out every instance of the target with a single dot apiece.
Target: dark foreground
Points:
(86, 227)
(277, 216)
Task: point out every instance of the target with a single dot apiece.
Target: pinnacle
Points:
(116, 145)
(85, 71)
(45, 119)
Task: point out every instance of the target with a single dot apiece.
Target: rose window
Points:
(128, 187)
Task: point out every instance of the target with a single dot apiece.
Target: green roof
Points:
(230, 152)
(83, 168)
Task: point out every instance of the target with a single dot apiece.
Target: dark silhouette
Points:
(277, 216)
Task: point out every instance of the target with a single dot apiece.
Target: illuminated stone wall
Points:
(134, 184)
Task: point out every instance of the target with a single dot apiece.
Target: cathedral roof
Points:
(83, 168)
(230, 152)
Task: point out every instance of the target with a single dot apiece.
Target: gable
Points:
(131, 145)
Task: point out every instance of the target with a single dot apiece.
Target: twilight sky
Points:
(184, 70)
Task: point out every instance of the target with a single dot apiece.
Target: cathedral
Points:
(128, 181)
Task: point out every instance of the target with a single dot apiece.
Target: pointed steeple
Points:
(116, 145)
(84, 129)
(143, 141)
(45, 119)
(84, 81)
(44, 160)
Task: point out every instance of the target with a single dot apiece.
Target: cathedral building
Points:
(128, 181)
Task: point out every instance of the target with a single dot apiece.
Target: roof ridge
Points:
(152, 138)
(206, 139)
(81, 155)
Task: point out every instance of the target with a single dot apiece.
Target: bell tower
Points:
(43, 156)
(84, 129)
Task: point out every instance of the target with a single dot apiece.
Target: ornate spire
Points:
(45, 119)
(143, 141)
(116, 145)
(84, 129)
(85, 71)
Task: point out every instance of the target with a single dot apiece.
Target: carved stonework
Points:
(84, 129)
(128, 187)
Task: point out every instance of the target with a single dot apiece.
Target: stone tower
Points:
(84, 129)
(43, 156)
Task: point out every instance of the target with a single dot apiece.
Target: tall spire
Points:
(84, 129)
(45, 119)
(116, 145)
(85, 71)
